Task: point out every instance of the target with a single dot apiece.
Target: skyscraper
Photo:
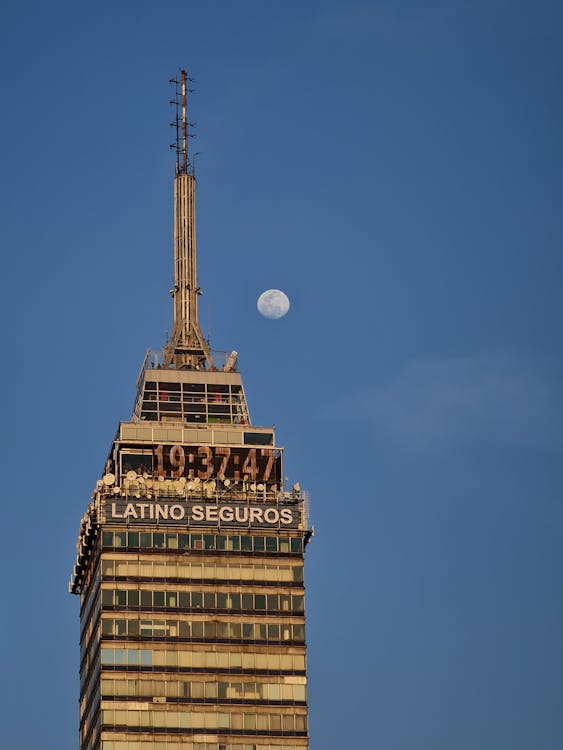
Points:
(190, 554)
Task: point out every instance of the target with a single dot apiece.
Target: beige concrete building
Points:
(190, 554)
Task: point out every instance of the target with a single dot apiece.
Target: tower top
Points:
(181, 123)
(186, 348)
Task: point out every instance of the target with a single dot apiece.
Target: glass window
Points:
(120, 656)
(158, 539)
(221, 541)
(171, 599)
(298, 603)
(287, 723)
(259, 543)
(197, 629)
(296, 545)
(260, 601)
(209, 600)
(262, 722)
(146, 598)
(247, 601)
(172, 541)
(146, 658)
(133, 598)
(120, 539)
(284, 544)
(197, 599)
(146, 539)
(246, 543)
(121, 598)
(300, 723)
(272, 600)
(284, 602)
(275, 723)
(107, 538)
(235, 601)
(221, 601)
(107, 656)
(208, 541)
(183, 541)
(234, 543)
(248, 630)
(158, 598)
(133, 538)
(107, 598)
(271, 544)
(250, 721)
(184, 599)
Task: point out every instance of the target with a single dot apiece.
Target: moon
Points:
(273, 304)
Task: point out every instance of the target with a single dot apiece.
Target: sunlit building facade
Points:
(190, 554)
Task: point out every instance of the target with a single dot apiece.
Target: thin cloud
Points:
(433, 402)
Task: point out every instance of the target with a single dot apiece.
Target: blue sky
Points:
(395, 168)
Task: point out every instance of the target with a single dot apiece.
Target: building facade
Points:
(190, 554)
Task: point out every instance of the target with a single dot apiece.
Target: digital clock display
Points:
(205, 462)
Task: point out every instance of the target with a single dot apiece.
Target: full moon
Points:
(273, 304)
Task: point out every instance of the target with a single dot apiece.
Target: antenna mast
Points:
(186, 348)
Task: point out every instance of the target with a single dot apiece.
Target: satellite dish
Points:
(226, 482)
(190, 486)
(116, 490)
(108, 480)
(99, 484)
(149, 495)
(145, 475)
(260, 487)
(197, 481)
(137, 495)
(131, 476)
(253, 487)
(149, 483)
(161, 479)
(140, 480)
(182, 480)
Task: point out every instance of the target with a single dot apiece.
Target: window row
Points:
(131, 657)
(210, 629)
(182, 719)
(176, 744)
(185, 541)
(232, 571)
(205, 600)
(194, 690)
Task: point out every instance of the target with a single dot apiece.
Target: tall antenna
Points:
(186, 347)
(181, 124)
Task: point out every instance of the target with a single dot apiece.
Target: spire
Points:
(186, 347)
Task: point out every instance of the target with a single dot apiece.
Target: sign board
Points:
(133, 511)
